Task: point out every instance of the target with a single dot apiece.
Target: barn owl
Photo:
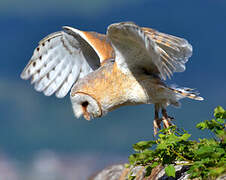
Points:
(127, 66)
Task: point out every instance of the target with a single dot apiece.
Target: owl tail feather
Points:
(187, 92)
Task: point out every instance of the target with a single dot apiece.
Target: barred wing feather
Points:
(59, 60)
(143, 49)
(174, 51)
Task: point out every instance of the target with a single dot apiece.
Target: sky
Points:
(31, 122)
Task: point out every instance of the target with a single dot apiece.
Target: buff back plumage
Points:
(110, 87)
(101, 45)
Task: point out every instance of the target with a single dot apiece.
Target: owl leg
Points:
(157, 121)
(166, 119)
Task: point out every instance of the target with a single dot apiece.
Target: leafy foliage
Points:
(206, 158)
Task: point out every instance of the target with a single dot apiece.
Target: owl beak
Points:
(85, 112)
(86, 116)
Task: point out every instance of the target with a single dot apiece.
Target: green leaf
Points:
(172, 139)
(154, 164)
(224, 115)
(132, 158)
(217, 171)
(185, 137)
(162, 135)
(219, 152)
(205, 151)
(219, 112)
(162, 146)
(168, 130)
(222, 121)
(142, 145)
(220, 133)
(170, 171)
(127, 165)
(202, 125)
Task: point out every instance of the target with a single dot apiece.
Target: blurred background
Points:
(39, 137)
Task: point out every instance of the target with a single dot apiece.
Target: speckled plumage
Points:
(124, 67)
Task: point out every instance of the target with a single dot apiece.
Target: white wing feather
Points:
(174, 51)
(138, 51)
(57, 63)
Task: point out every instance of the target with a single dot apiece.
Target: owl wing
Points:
(63, 57)
(146, 50)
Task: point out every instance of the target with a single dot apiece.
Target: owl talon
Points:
(171, 118)
(167, 122)
(157, 125)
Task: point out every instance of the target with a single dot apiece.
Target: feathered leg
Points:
(157, 121)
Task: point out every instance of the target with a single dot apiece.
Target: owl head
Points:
(86, 105)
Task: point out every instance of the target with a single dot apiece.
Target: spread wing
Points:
(63, 57)
(147, 50)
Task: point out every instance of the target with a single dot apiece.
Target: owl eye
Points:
(85, 104)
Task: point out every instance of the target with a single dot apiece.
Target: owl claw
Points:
(167, 122)
(171, 118)
(157, 125)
